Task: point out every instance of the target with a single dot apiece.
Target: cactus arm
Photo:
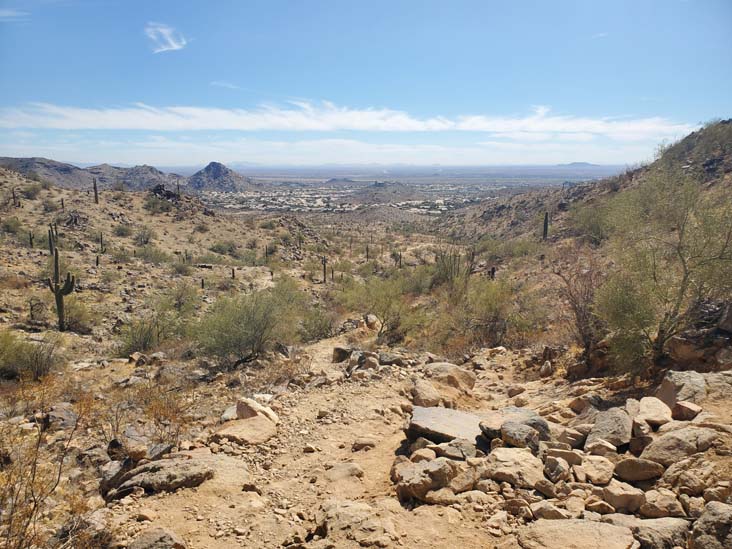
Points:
(68, 286)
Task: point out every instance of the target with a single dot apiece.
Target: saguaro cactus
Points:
(60, 290)
(102, 247)
(324, 261)
(52, 238)
(546, 225)
(30, 238)
(96, 191)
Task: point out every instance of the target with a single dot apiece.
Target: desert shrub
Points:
(156, 205)
(165, 409)
(152, 254)
(180, 268)
(31, 192)
(143, 334)
(20, 359)
(121, 255)
(227, 247)
(495, 250)
(50, 205)
(268, 225)
(384, 298)
(200, 228)
(182, 299)
(122, 230)
(237, 330)
(144, 236)
(79, 317)
(11, 225)
(672, 245)
(317, 323)
(591, 222)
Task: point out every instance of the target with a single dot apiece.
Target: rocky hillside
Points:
(217, 177)
(214, 177)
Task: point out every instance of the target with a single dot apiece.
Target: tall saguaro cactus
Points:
(60, 290)
(96, 192)
(546, 225)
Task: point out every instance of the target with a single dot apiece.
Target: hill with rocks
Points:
(260, 380)
(217, 177)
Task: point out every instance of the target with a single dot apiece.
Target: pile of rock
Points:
(633, 472)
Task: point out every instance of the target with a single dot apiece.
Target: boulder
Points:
(661, 503)
(443, 424)
(346, 523)
(341, 354)
(452, 375)
(661, 533)
(613, 426)
(637, 469)
(676, 445)
(254, 430)
(248, 407)
(491, 421)
(690, 476)
(557, 469)
(574, 534)
(517, 466)
(425, 394)
(623, 496)
(546, 510)
(599, 470)
(713, 529)
(570, 436)
(158, 538)
(573, 457)
(685, 411)
(678, 386)
(547, 369)
(520, 435)
(414, 480)
(653, 411)
(514, 390)
(164, 475)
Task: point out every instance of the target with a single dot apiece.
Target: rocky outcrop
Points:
(575, 534)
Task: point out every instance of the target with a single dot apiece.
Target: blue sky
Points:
(311, 82)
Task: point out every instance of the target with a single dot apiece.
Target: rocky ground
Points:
(369, 449)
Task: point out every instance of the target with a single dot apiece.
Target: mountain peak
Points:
(218, 177)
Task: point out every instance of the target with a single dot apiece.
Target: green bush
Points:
(50, 205)
(152, 254)
(122, 230)
(143, 334)
(156, 205)
(237, 330)
(317, 324)
(31, 192)
(144, 236)
(11, 225)
(227, 247)
(22, 358)
(79, 318)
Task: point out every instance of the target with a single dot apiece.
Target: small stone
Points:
(685, 411)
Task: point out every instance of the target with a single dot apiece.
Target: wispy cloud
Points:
(165, 37)
(224, 84)
(600, 35)
(304, 116)
(8, 15)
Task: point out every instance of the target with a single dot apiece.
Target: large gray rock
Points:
(661, 533)
(492, 421)
(713, 530)
(574, 534)
(653, 411)
(520, 435)
(517, 466)
(677, 445)
(443, 424)
(158, 538)
(164, 475)
(682, 386)
(613, 425)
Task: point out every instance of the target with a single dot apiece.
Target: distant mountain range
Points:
(214, 177)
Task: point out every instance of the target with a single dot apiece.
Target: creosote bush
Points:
(24, 359)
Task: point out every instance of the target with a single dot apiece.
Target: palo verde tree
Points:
(672, 245)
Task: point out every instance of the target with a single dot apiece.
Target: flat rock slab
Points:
(164, 475)
(253, 430)
(574, 534)
(443, 424)
(613, 425)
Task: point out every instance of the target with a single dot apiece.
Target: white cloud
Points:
(224, 84)
(164, 37)
(302, 116)
(10, 14)
(600, 35)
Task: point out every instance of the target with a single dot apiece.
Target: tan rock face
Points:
(517, 466)
(635, 469)
(254, 430)
(623, 496)
(685, 411)
(452, 375)
(425, 394)
(574, 534)
(661, 503)
(599, 470)
(158, 538)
